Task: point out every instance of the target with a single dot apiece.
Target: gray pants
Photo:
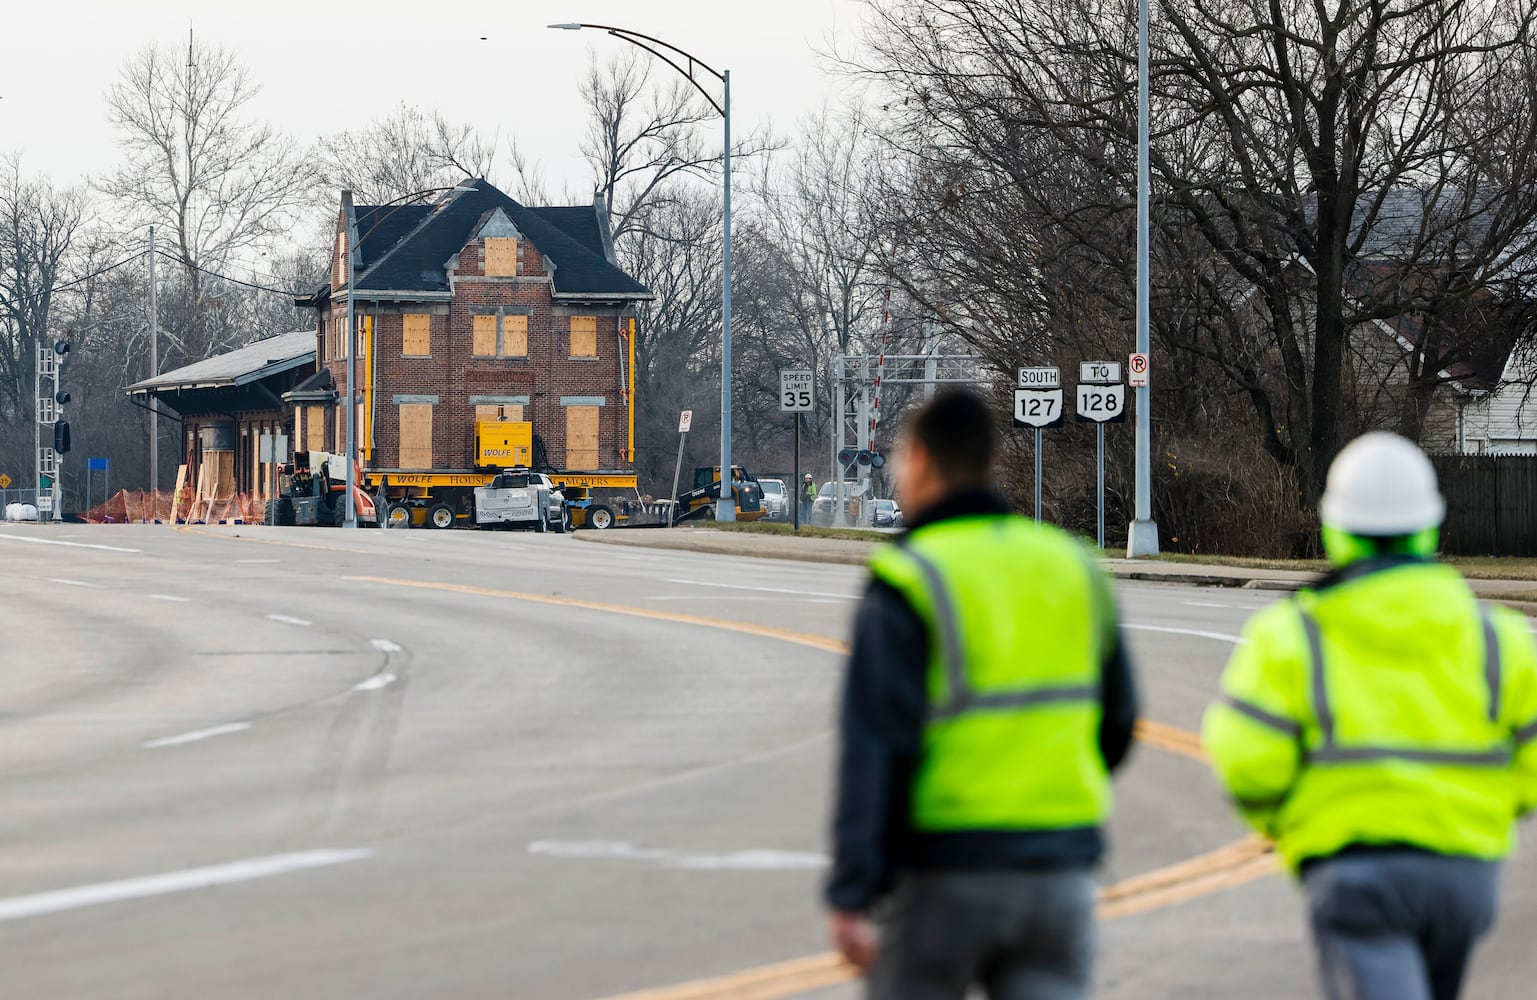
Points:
(1398, 925)
(1021, 935)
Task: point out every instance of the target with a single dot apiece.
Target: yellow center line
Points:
(1226, 867)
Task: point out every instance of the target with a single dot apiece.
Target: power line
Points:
(215, 274)
(94, 274)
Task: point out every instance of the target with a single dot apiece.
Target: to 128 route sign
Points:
(1102, 403)
(1037, 407)
(797, 390)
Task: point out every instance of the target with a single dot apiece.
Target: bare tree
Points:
(408, 151)
(216, 182)
(39, 225)
(1317, 167)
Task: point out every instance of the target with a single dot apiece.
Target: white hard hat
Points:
(1381, 485)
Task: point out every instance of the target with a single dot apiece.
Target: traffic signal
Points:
(61, 397)
(61, 347)
(61, 437)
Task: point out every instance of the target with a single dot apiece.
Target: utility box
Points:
(503, 444)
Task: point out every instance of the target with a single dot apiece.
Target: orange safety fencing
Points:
(154, 507)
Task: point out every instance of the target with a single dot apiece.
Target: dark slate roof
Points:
(580, 222)
(243, 366)
(380, 227)
(415, 261)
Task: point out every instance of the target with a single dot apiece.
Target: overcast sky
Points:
(325, 65)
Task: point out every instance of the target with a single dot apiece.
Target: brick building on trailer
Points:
(474, 308)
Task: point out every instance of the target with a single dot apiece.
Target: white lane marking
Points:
(385, 646)
(170, 597)
(68, 583)
(753, 859)
(766, 590)
(198, 734)
(288, 620)
(375, 682)
(40, 904)
(1225, 607)
(73, 545)
(1198, 633)
(258, 560)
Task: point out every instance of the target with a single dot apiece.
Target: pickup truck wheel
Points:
(398, 516)
(441, 516)
(565, 521)
(542, 524)
(600, 517)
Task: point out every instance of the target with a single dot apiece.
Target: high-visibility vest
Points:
(1391, 709)
(1019, 620)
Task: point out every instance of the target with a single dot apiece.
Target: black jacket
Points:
(885, 702)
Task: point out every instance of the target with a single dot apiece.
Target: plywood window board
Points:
(315, 428)
(584, 336)
(501, 257)
(416, 335)
(484, 344)
(415, 435)
(582, 438)
(515, 336)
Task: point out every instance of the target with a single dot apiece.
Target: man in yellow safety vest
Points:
(1382, 727)
(987, 700)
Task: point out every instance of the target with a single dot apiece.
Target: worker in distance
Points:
(1381, 725)
(987, 699)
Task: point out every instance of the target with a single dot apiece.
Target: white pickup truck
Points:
(519, 497)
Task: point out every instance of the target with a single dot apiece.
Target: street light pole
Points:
(350, 514)
(725, 506)
(1142, 536)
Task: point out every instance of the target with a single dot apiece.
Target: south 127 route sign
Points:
(1037, 407)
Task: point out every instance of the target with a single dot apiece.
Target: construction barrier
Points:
(154, 507)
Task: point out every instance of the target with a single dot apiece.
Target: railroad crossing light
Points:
(61, 437)
(61, 397)
(61, 347)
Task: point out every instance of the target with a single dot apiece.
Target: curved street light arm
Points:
(640, 41)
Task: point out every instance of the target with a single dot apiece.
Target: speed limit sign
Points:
(797, 390)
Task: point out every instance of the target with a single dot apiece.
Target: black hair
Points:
(956, 428)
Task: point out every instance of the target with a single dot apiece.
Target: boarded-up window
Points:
(515, 336)
(415, 435)
(582, 438)
(485, 337)
(498, 411)
(584, 336)
(315, 428)
(501, 257)
(416, 335)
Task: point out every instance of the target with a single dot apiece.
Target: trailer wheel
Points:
(600, 517)
(441, 516)
(398, 516)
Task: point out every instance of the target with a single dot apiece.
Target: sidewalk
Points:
(1519, 593)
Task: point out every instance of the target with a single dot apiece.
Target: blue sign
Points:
(96, 464)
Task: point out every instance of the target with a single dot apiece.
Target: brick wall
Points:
(454, 375)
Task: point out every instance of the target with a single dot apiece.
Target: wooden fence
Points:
(1491, 504)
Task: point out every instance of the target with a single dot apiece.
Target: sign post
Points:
(797, 395)
(1102, 399)
(685, 421)
(1038, 404)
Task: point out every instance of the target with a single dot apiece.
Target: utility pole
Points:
(154, 370)
(350, 514)
(725, 509)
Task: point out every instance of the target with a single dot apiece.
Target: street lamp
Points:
(354, 256)
(725, 506)
(1142, 535)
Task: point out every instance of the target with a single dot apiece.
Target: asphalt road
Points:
(247, 762)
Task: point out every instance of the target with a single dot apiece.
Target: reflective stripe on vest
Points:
(959, 695)
(1330, 752)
